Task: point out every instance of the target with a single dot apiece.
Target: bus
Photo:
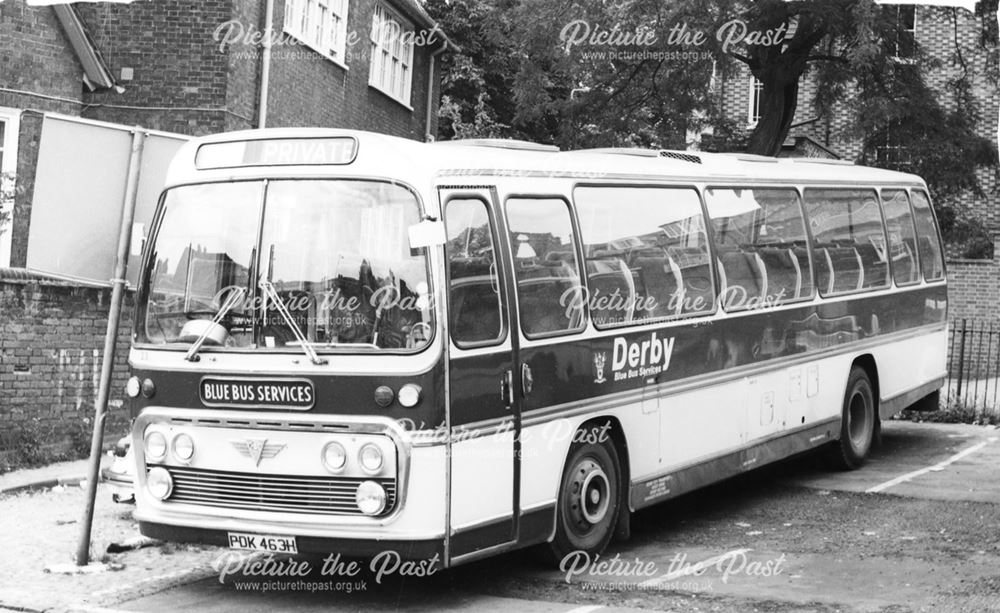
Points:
(349, 342)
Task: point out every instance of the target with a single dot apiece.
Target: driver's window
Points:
(474, 302)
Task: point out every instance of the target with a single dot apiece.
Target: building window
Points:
(902, 39)
(753, 111)
(392, 55)
(890, 149)
(321, 24)
(8, 165)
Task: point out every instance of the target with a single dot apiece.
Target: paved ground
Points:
(794, 537)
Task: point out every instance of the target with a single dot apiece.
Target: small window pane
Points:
(902, 237)
(931, 261)
(545, 266)
(850, 247)
(760, 240)
(646, 253)
(475, 306)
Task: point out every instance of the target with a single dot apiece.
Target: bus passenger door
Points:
(484, 410)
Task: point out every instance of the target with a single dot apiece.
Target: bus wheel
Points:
(589, 500)
(857, 424)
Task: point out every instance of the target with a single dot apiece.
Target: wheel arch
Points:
(866, 361)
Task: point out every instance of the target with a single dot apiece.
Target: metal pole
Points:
(265, 64)
(110, 340)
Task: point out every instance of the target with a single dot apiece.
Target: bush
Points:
(36, 443)
(955, 412)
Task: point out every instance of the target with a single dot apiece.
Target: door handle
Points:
(527, 380)
(507, 389)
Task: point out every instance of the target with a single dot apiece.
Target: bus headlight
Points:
(334, 457)
(159, 483)
(370, 458)
(156, 446)
(370, 498)
(148, 388)
(133, 387)
(183, 447)
(409, 395)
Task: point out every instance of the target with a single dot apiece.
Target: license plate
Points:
(262, 542)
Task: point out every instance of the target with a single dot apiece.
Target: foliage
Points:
(517, 77)
(34, 442)
(954, 411)
(7, 185)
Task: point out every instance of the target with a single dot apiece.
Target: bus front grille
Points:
(279, 493)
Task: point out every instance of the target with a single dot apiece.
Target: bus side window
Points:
(849, 246)
(902, 236)
(474, 303)
(931, 262)
(646, 253)
(545, 266)
(760, 239)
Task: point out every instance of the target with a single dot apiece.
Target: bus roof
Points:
(327, 152)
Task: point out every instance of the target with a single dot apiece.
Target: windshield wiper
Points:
(279, 306)
(234, 298)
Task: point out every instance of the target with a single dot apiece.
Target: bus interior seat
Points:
(742, 269)
(606, 276)
(696, 276)
(933, 266)
(784, 275)
(876, 270)
(661, 281)
(905, 264)
(846, 269)
(475, 313)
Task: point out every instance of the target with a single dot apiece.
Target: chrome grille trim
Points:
(291, 494)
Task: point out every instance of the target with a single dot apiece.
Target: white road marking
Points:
(587, 609)
(694, 568)
(935, 468)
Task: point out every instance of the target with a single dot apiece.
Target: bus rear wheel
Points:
(589, 500)
(857, 423)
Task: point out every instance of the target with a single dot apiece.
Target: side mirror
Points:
(427, 234)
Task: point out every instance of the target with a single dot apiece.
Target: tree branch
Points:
(828, 58)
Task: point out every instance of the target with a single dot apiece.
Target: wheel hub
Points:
(591, 494)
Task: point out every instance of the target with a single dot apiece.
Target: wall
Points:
(35, 57)
(974, 288)
(308, 89)
(179, 75)
(51, 345)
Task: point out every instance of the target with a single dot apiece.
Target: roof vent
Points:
(680, 155)
(501, 143)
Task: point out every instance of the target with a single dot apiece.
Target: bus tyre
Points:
(589, 500)
(857, 423)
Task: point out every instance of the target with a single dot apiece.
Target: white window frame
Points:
(756, 87)
(905, 59)
(321, 25)
(391, 69)
(8, 164)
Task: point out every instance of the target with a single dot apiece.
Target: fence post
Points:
(961, 361)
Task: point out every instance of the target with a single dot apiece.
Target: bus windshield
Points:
(320, 263)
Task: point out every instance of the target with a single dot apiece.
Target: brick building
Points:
(835, 135)
(203, 66)
(185, 66)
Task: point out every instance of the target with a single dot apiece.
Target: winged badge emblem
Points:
(257, 449)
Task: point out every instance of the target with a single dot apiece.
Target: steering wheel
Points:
(412, 336)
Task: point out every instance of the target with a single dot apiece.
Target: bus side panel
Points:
(911, 363)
